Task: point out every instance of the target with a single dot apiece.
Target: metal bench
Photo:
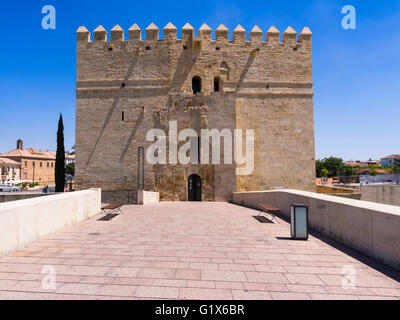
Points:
(268, 209)
(113, 208)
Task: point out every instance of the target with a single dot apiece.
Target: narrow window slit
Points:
(216, 84)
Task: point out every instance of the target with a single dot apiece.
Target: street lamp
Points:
(299, 222)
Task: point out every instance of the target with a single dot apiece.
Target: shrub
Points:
(33, 184)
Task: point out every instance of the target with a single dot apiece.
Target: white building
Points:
(69, 158)
(10, 171)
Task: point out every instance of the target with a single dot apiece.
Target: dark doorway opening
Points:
(194, 188)
(196, 85)
(216, 84)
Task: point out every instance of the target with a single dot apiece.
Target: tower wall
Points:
(264, 85)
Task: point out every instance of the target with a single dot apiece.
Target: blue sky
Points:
(356, 72)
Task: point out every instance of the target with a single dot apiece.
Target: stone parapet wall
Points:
(368, 227)
(19, 196)
(385, 194)
(26, 221)
(332, 190)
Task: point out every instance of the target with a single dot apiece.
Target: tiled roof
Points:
(29, 153)
(394, 156)
(9, 162)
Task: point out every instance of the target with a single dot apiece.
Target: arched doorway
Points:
(194, 188)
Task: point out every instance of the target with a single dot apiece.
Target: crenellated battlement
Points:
(256, 35)
(231, 60)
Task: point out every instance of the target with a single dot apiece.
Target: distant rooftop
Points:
(8, 162)
(362, 163)
(394, 156)
(20, 152)
(29, 153)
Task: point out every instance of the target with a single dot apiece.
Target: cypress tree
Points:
(60, 158)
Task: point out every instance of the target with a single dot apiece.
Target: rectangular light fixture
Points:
(299, 222)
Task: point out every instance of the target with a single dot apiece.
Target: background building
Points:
(69, 158)
(390, 160)
(10, 171)
(380, 178)
(35, 165)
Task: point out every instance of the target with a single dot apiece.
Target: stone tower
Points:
(127, 87)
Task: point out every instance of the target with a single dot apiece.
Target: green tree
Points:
(333, 165)
(393, 169)
(60, 158)
(70, 169)
(324, 174)
(349, 171)
(374, 166)
(318, 167)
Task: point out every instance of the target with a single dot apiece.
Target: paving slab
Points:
(183, 250)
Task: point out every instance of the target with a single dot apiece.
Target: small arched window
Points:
(224, 70)
(217, 83)
(196, 84)
(224, 66)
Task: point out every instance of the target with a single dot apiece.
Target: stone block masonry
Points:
(126, 87)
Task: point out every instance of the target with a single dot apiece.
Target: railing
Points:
(133, 196)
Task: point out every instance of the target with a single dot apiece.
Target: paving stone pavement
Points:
(190, 251)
